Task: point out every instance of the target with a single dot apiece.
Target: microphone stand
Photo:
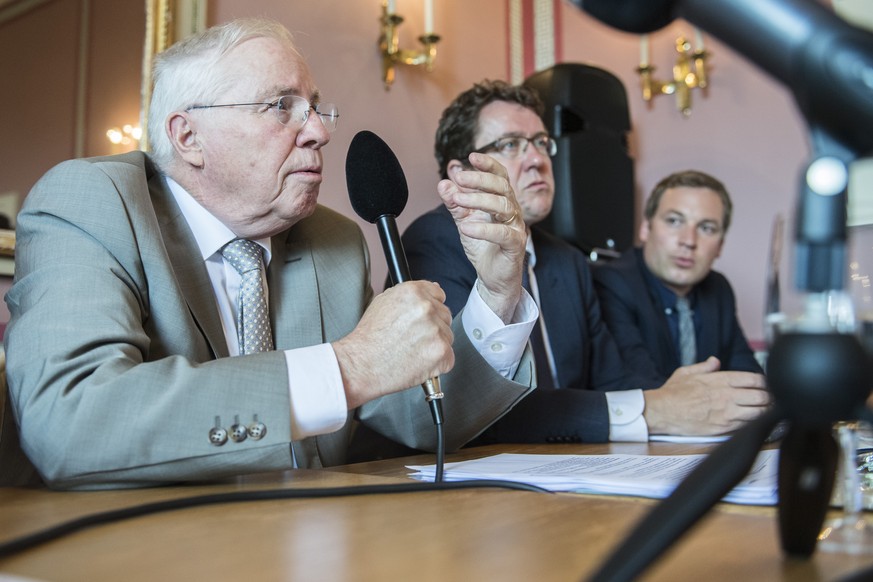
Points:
(817, 374)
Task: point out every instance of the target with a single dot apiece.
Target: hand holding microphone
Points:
(411, 326)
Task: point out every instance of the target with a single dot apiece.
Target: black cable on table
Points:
(52, 533)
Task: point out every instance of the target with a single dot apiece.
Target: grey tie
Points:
(687, 341)
(253, 324)
(537, 342)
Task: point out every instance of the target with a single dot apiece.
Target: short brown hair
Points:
(690, 179)
(456, 133)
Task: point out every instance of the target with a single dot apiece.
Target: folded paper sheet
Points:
(637, 475)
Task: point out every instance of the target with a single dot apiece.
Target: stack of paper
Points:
(639, 475)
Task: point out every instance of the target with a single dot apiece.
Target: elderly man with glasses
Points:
(585, 392)
(138, 277)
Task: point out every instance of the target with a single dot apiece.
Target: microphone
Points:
(378, 193)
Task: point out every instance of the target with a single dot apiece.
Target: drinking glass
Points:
(850, 533)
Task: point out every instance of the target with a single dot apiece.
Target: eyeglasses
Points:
(514, 146)
(291, 110)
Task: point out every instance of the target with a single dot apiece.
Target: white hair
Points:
(189, 73)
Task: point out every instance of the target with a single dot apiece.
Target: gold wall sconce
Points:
(389, 43)
(689, 72)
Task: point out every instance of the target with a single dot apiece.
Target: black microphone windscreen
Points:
(374, 178)
(637, 16)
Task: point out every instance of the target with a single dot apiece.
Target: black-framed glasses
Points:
(291, 110)
(513, 146)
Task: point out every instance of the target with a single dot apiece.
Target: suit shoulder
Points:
(438, 217)
(81, 170)
(93, 189)
(328, 224)
(716, 282)
(434, 227)
(558, 246)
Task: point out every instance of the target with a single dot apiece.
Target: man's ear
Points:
(644, 230)
(184, 138)
(455, 166)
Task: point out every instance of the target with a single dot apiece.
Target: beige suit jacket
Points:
(116, 359)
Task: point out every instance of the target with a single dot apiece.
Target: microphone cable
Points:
(28, 541)
(436, 410)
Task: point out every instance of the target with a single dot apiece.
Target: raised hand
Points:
(493, 233)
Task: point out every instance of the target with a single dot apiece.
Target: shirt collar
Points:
(665, 295)
(529, 249)
(210, 233)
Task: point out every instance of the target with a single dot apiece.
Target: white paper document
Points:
(639, 475)
(666, 438)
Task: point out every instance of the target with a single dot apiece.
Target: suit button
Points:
(238, 432)
(217, 435)
(257, 429)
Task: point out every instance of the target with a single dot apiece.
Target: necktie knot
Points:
(243, 255)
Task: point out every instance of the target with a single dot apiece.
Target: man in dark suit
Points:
(685, 221)
(132, 359)
(596, 398)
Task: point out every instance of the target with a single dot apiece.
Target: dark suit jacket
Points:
(586, 358)
(635, 316)
(116, 357)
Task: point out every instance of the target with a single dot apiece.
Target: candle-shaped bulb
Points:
(428, 16)
(698, 39)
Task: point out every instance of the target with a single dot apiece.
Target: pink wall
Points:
(746, 132)
(51, 55)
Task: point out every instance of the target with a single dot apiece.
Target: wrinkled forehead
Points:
(262, 68)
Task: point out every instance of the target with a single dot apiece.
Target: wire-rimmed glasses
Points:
(514, 146)
(291, 110)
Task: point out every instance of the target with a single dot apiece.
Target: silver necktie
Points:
(253, 319)
(687, 341)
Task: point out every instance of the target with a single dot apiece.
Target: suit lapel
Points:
(294, 302)
(563, 314)
(653, 311)
(188, 267)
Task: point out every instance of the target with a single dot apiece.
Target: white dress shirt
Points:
(318, 402)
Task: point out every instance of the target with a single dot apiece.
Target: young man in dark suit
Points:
(682, 233)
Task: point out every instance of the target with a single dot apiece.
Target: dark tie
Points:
(538, 346)
(687, 341)
(253, 319)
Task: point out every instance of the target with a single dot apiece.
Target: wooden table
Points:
(471, 534)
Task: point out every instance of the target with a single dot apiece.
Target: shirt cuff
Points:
(501, 345)
(626, 421)
(318, 398)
